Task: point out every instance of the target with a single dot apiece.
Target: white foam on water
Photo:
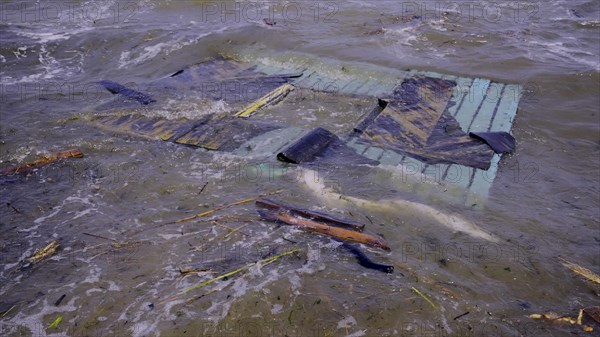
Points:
(169, 236)
(561, 51)
(129, 58)
(148, 327)
(71, 200)
(277, 308)
(34, 322)
(406, 36)
(93, 275)
(346, 322)
(89, 292)
(188, 108)
(45, 37)
(112, 286)
(79, 214)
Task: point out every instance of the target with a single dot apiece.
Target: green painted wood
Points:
(429, 74)
(270, 143)
(472, 102)
(507, 109)
(483, 179)
(310, 81)
(381, 89)
(269, 70)
(358, 147)
(502, 121)
(390, 158)
(464, 111)
(305, 76)
(373, 153)
(353, 87)
(460, 94)
(483, 116)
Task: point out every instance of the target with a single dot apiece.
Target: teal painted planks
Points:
(460, 94)
(315, 82)
(434, 172)
(472, 102)
(365, 88)
(429, 74)
(353, 87)
(483, 179)
(390, 158)
(270, 143)
(381, 89)
(507, 109)
(358, 147)
(412, 166)
(373, 153)
(458, 175)
(484, 115)
(269, 70)
(305, 76)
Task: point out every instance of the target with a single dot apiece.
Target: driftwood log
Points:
(44, 160)
(324, 218)
(285, 216)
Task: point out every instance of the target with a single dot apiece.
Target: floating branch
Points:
(43, 161)
(234, 272)
(340, 233)
(349, 224)
(203, 214)
(424, 297)
(581, 271)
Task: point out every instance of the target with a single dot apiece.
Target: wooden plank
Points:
(275, 95)
(390, 158)
(472, 99)
(507, 109)
(269, 143)
(472, 102)
(353, 87)
(429, 74)
(483, 117)
(381, 89)
(269, 70)
(373, 152)
(502, 121)
(460, 94)
(483, 181)
(300, 81)
(358, 147)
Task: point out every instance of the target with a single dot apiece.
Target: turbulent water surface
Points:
(119, 262)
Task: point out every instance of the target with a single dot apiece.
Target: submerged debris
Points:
(591, 312)
(262, 262)
(274, 205)
(340, 233)
(270, 98)
(44, 160)
(581, 271)
(244, 201)
(116, 88)
(43, 253)
(39, 255)
(365, 261)
(425, 297)
(341, 229)
(321, 144)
